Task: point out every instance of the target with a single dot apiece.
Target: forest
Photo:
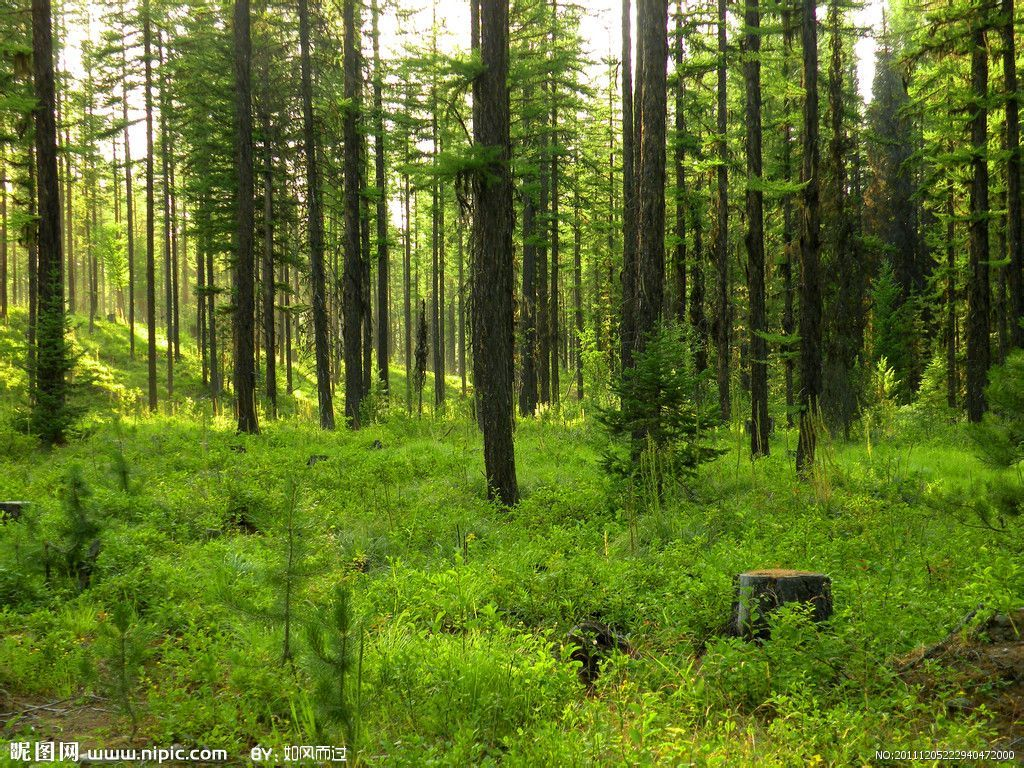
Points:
(519, 382)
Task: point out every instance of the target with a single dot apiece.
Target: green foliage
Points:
(112, 251)
(656, 407)
(122, 650)
(893, 327)
(999, 438)
(78, 532)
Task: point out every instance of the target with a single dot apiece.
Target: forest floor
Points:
(427, 627)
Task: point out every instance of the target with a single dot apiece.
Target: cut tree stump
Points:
(758, 593)
(11, 510)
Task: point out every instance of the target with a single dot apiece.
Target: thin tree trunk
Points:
(244, 271)
(755, 233)
(380, 179)
(3, 233)
(147, 35)
(129, 203)
(679, 156)
(269, 280)
(528, 392)
(577, 259)
(810, 248)
(722, 229)
(789, 238)
(316, 230)
(353, 269)
(979, 298)
(627, 318)
(952, 385)
(166, 193)
(1013, 169)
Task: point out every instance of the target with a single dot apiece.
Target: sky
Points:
(600, 30)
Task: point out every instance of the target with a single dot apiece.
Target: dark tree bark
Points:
(652, 24)
(492, 257)
(577, 280)
(810, 248)
(755, 233)
(952, 385)
(147, 42)
(979, 299)
(722, 322)
(437, 268)
(698, 320)
(201, 334)
(1015, 275)
(380, 178)
(543, 306)
(553, 319)
(165, 154)
(3, 234)
(211, 321)
(627, 313)
(462, 309)
(679, 156)
(528, 393)
(129, 204)
(244, 271)
(353, 269)
(407, 282)
(269, 278)
(789, 238)
(316, 230)
(51, 357)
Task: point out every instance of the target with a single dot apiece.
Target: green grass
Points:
(462, 608)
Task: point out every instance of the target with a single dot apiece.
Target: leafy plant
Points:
(123, 649)
(656, 413)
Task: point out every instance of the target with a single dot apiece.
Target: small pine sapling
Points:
(79, 532)
(335, 642)
(123, 649)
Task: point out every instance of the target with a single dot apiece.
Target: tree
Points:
(380, 178)
(316, 229)
(492, 257)
(723, 321)
(810, 247)
(979, 299)
(755, 232)
(49, 412)
(1013, 171)
(352, 296)
(244, 299)
(147, 41)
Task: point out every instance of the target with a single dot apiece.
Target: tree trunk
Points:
(627, 313)
(528, 393)
(129, 203)
(380, 179)
(407, 283)
(147, 37)
(979, 299)
(810, 248)
(698, 320)
(952, 385)
(553, 334)
(722, 323)
(789, 243)
(269, 278)
(353, 269)
(652, 24)
(51, 357)
(316, 230)
(679, 153)
(577, 260)
(755, 233)
(165, 152)
(244, 272)
(760, 593)
(3, 233)
(492, 258)
(1013, 212)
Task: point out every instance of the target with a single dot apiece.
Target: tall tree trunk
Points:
(436, 234)
(952, 385)
(652, 24)
(201, 302)
(553, 334)
(316, 230)
(541, 228)
(492, 258)
(979, 299)
(147, 38)
(129, 203)
(698, 319)
(175, 288)
(244, 271)
(679, 156)
(810, 248)
(352, 291)
(789, 237)
(211, 320)
(165, 152)
(1013, 212)
(51, 359)
(755, 233)
(380, 179)
(3, 233)
(722, 324)
(462, 309)
(627, 313)
(528, 393)
(407, 281)
(269, 278)
(577, 280)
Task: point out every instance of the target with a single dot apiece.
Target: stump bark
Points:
(759, 593)
(11, 510)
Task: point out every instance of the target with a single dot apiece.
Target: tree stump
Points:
(758, 593)
(11, 510)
